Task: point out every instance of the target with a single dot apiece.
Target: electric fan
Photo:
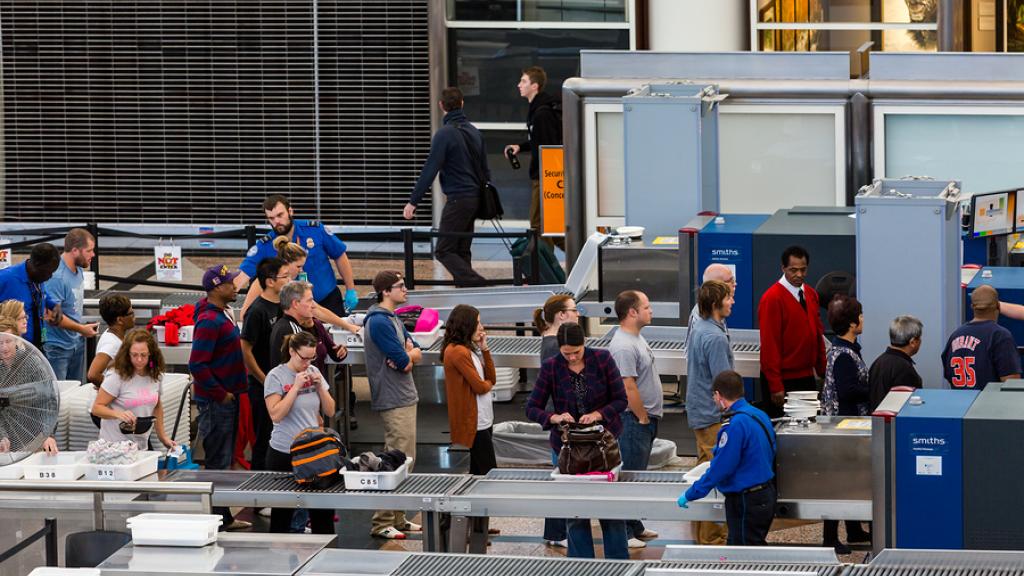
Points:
(29, 399)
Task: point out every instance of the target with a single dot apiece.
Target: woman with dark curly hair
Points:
(468, 379)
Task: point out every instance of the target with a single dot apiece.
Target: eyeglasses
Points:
(399, 286)
(310, 359)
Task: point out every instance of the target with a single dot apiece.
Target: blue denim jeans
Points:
(67, 363)
(218, 424)
(635, 444)
(554, 528)
(581, 540)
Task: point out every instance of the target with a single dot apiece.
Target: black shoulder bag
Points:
(490, 203)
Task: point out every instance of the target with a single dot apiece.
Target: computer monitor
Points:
(993, 213)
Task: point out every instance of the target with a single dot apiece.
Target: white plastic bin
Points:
(376, 480)
(556, 475)
(11, 468)
(144, 465)
(184, 333)
(63, 466)
(193, 530)
(694, 474)
(427, 339)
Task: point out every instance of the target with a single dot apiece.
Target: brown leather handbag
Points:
(587, 448)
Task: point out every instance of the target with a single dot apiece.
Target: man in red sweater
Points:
(792, 336)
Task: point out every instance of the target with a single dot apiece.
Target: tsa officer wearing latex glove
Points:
(742, 468)
(321, 247)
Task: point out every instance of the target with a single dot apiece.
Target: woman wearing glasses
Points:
(128, 401)
(296, 395)
(558, 310)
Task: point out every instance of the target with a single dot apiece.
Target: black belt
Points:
(752, 489)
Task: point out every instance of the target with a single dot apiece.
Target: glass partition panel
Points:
(771, 158)
(611, 169)
(487, 64)
(538, 10)
(980, 149)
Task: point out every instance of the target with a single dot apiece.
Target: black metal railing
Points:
(406, 237)
(48, 533)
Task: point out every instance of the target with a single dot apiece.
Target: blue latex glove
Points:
(682, 501)
(351, 299)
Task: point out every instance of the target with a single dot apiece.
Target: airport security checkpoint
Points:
(894, 267)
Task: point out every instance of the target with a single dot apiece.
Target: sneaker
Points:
(412, 527)
(858, 537)
(557, 543)
(636, 543)
(307, 530)
(389, 533)
(646, 535)
(840, 548)
(237, 525)
(265, 512)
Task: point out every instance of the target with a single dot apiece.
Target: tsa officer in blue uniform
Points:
(742, 466)
(321, 247)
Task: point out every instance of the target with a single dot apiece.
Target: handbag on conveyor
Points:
(587, 449)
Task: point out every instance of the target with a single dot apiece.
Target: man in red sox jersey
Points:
(981, 351)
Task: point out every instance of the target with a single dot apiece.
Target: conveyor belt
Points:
(415, 484)
(833, 570)
(475, 565)
(545, 475)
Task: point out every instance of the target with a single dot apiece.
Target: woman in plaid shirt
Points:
(585, 387)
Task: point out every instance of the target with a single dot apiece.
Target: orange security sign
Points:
(552, 191)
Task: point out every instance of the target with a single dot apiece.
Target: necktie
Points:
(803, 302)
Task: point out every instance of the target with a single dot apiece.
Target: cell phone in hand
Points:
(513, 159)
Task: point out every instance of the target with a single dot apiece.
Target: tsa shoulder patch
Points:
(252, 250)
(723, 439)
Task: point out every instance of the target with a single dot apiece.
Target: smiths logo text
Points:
(725, 252)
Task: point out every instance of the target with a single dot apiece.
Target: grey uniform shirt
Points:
(635, 359)
(305, 409)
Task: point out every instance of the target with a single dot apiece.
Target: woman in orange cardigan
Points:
(468, 379)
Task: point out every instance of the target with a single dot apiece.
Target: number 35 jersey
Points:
(978, 353)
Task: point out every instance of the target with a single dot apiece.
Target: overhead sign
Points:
(552, 191)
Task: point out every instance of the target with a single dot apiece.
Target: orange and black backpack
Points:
(317, 457)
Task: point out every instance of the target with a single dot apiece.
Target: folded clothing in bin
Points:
(383, 462)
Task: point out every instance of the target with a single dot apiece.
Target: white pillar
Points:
(699, 25)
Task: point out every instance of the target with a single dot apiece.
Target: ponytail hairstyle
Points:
(287, 250)
(460, 327)
(293, 342)
(544, 317)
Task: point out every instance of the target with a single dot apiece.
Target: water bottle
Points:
(302, 277)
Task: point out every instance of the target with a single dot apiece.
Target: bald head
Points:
(985, 303)
(721, 273)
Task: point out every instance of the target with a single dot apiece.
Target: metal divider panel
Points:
(517, 474)
(627, 476)
(1007, 560)
(647, 476)
(479, 565)
(415, 484)
(828, 570)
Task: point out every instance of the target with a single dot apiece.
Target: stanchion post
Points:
(250, 236)
(410, 280)
(534, 240)
(51, 542)
(94, 229)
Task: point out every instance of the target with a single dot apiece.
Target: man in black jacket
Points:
(544, 126)
(457, 151)
(894, 366)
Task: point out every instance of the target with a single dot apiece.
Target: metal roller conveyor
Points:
(339, 562)
(668, 343)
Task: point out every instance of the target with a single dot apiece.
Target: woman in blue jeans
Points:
(584, 386)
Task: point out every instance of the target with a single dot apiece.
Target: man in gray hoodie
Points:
(390, 355)
(708, 354)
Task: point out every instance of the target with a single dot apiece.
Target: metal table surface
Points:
(233, 553)
(340, 562)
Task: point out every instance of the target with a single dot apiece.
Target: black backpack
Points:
(317, 457)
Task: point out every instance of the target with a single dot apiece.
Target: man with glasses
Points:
(390, 355)
(257, 323)
(635, 359)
